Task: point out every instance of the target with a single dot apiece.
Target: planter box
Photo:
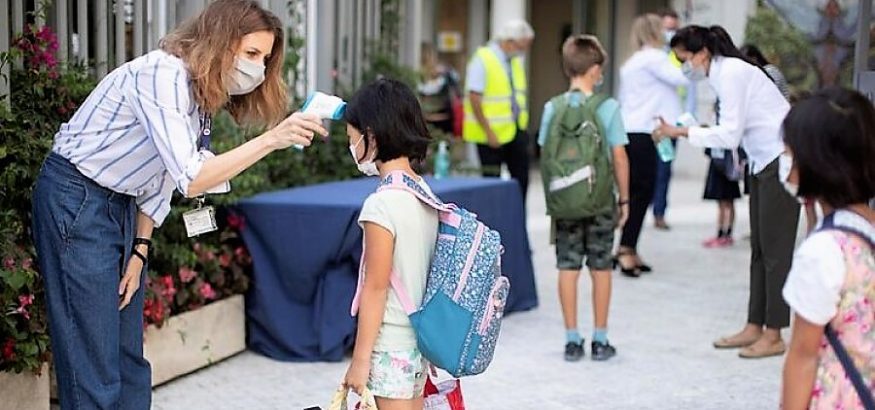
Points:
(196, 339)
(187, 342)
(25, 391)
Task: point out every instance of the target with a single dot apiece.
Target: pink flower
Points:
(207, 291)
(23, 312)
(236, 222)
(46, 34)
(169, 290)
(25, 300)
(186, 274)
(27, 264)
(9, 263)
(225, 260)
(241, 252)
(9, 349)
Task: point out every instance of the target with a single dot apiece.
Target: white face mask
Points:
(600, 81)
(246, 77)
(692, 72)
(368, 167)
(785, 166)
(668, 35)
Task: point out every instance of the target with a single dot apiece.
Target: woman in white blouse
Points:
(648, 90)
(751, 111)
(142, 134)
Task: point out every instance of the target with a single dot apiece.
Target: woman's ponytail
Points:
(721, 43)
(715, 38)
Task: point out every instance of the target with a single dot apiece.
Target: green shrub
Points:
(43, 94)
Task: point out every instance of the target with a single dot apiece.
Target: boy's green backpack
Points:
(577, 172)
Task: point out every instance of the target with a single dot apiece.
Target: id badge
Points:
(200, 221)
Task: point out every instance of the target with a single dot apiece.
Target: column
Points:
(4, 47)
(119, 33)
(411, 33)
(506, 11)
(82, 31)
(320, 45)
(61, 19)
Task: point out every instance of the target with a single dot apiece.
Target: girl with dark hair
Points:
(751, 111)
(386, 132)
(830, 141)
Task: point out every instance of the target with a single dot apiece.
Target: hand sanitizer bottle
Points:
(442, 161)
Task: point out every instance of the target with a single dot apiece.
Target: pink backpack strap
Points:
(447, 215)
(397, 182)
(394, 280)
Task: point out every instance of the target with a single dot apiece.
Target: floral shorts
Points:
(397, 374)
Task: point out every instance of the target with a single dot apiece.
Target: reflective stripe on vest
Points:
(496, 100)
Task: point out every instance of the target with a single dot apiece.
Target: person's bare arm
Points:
(380, 248)
(621, 176)
(800, 367)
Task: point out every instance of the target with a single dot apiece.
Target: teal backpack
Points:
(577, 172)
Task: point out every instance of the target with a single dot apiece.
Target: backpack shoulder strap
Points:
(838, 221)
(394, 280)
(560, 107)
(850, 369)
(398, 180)
(596, 100)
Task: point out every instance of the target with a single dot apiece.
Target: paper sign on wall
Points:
(449, 42)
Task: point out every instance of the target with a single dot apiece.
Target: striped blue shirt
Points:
(137, 133)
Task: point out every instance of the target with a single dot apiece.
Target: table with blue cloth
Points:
(306, 244)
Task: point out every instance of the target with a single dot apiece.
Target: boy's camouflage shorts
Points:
(592, 238)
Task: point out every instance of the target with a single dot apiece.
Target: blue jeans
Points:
(663, 178)
(83, 235)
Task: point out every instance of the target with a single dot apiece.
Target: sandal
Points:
(633, 272)
(775, 349)
(734, 343)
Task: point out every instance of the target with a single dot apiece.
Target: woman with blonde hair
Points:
(142, 134)
(648, 89)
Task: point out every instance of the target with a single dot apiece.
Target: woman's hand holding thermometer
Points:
(323, 106)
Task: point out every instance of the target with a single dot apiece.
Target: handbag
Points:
(339, 402)
(728, 162)
(442, 394)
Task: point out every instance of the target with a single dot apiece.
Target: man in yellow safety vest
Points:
(496, 111)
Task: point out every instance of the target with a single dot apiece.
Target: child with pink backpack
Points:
(399, 236)
(830, 157)
(431, 294)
